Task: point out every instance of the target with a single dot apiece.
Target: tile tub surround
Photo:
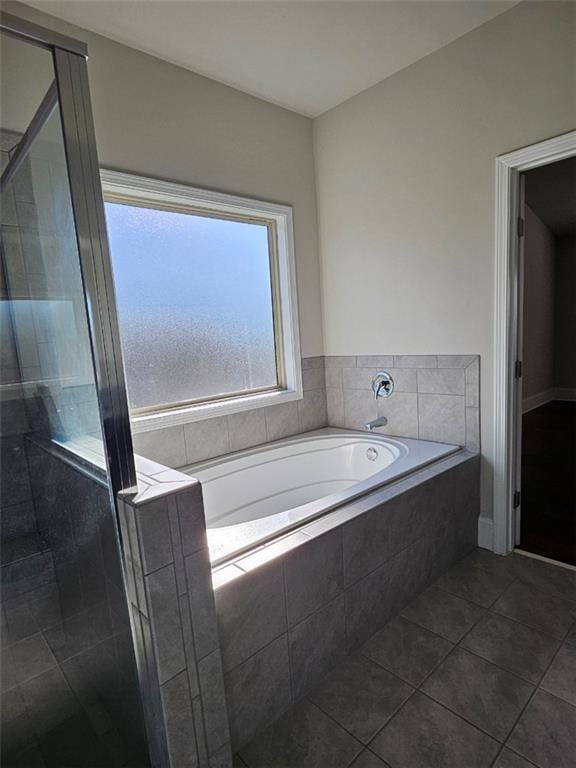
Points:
(436, 397)
(201, 440)
(173, 618)
(293, 609)
(497, 693)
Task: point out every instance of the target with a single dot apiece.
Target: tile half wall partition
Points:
(436, 397)
(173, 617)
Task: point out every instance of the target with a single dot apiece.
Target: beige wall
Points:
(404, 170)
(405, 177)
(154, 118)
(539, 289)
(565, 321)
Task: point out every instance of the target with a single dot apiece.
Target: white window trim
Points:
(154, 190)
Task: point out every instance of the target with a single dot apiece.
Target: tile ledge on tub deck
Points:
(155, 480)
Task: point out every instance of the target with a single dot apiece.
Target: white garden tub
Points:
(255, 495)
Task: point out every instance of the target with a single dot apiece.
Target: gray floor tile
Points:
(443, 613)
(545, 612)
(28, 658)
(408, 650)
(80, 632)
(561, 677)
(476, 584)
(49, 700)
(368, 760)
(423, 734)
(17, 623)
(305, 738)
(362, 697)
(546, 577)
(475, 689)
(509, 759)
(546, 732)
(494, 564)
(30, 758)
(513, 646)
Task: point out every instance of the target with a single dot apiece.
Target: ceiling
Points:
(306, 55)
(551, 193)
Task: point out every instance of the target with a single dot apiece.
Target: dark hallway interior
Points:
(548, 488)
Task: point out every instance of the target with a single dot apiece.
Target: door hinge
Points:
(520, 225)
(518, 369)
(516, 500)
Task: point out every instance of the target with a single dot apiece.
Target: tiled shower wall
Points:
(436, 397)
(69, 684)
(69, 675)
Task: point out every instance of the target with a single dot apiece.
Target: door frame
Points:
(507, 344)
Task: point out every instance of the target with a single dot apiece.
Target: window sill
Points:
(191, 413)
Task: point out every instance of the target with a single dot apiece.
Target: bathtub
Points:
(256, 495)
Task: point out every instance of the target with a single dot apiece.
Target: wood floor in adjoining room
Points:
(548, 510)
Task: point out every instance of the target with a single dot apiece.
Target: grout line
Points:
(196, 660)
(493, 763)
(484, 612)
(308, 700)
(514, 580)
(468, 599)
(187, 661)
(461, 717)
(522, 624)
(290, 674)
(252, 655)
(378, 663)
(457, 645)
(536, 689)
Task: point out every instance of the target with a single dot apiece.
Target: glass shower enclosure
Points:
(69, 680)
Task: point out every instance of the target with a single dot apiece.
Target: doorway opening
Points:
(547, 456)
(511, 505)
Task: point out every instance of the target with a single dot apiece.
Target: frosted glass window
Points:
(195, 304)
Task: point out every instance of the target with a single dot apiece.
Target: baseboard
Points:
(567, 394)
(486, 533)
(535, 401)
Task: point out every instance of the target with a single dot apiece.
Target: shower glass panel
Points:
(69, 681)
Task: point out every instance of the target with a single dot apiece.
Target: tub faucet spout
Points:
(381, 422)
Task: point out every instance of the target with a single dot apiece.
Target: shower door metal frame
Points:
(71, 77)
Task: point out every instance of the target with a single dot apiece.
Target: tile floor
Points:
(479, 671)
